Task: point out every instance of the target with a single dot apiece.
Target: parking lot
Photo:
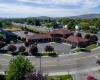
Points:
(58, 47)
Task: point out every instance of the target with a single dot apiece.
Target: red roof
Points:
(76, 39)
(38, 36)
(61, 31)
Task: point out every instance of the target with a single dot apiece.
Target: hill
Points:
(85, 16)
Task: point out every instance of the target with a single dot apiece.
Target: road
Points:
(59, 64)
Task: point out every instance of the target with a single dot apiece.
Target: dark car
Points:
(72, 47)
(85, 50)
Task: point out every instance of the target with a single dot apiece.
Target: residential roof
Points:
(61, 31)
(76, 39)
(38, 36)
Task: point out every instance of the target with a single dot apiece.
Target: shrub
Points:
(23, 39)
(19, 38)
(33, 75)
(26, 44)
(94, 38)
(12, 48)
(22, 49)
(15, 40)
(79, 35)
(49, 48)
(25, 32)
(34, 50)
(87, 36)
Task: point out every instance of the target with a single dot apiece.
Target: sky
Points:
(51, 8)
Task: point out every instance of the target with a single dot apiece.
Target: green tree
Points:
(36, 22)
(48, 25)
(1, 24)
(85, 25)
(70, 25)
(18, 67)
(1, 37)
(97, 24)
(7, 23)
(54, 24)
(64, 21)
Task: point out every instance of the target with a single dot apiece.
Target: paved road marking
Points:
(65, 59)
(49, 65)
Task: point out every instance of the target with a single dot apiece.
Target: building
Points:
(75, 41)
(6, 34)
(55, 35)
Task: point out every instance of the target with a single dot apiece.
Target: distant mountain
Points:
(85, 16)
(41, 17)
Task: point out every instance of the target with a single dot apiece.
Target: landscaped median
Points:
(62, 77)
(48, 54)
(87, 49)
(38, 54)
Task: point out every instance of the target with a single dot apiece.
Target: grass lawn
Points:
(9, 52)
(78, 50)
(48, 54)
(62, 77)
(91, 46)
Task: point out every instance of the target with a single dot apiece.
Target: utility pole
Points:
(40, 62)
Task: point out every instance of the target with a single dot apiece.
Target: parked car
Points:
(91, 78)
(72, 47)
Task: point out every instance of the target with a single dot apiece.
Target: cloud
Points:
(81, 3)
(19, 9)
(25, 10)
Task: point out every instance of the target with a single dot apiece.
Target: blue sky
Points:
(52, 8)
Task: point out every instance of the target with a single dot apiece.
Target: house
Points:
(55, 35)
(75, 41)
(78, 27)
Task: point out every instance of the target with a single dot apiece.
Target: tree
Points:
(85, 25)
(12, 48)
(22, 49)
(18, 67)
(87, 36)
(79, 35)
(49, 48)
(36, 22)
(1, 37)
(33, 50)
(97, 24)
(94, 38)
(54, 24)
(26, 44)
(70, 25)
(2, 44)
(64, 21)
(1, 24)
